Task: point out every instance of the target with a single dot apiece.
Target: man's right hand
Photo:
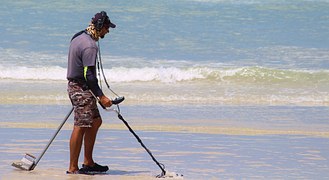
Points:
(105, 101)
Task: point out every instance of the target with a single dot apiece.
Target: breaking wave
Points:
(176, 75)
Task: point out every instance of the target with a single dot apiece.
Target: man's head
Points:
(101, 20)
(101, 24)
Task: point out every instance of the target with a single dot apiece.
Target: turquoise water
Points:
(220, 31)
(223, 52)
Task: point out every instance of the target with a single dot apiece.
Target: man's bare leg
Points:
(89, 141)
(75, 147)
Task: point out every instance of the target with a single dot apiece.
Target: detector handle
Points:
(115, 101)
(118, 100)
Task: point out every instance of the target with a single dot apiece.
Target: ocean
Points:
(242, 67)
(217, 52)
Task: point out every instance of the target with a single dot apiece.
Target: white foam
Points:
(33, 73)
(120, 74)
(171, 74)
(175, 74)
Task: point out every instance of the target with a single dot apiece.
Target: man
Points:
(82, 79)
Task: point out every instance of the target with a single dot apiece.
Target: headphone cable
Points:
(101, 69)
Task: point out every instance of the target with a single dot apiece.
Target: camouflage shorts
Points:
(85, 107)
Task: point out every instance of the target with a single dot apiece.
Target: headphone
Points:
(100, 22)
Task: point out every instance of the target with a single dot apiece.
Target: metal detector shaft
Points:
(52, 139)
(161, 166)
(117, 101)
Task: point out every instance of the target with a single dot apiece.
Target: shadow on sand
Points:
(121, 172)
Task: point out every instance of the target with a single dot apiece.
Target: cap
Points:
(101, 19)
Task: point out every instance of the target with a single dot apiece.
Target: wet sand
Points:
(200, 142)
(195, 155)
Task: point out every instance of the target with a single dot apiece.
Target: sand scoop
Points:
(29, 162)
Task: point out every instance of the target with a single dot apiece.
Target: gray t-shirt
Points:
(83, 52)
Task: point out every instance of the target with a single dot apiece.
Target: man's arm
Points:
(92, 82)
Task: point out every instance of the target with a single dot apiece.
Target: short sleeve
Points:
(89, 56)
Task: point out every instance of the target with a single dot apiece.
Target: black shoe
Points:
(94, 169)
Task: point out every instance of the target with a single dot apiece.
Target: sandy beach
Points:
(197, 152)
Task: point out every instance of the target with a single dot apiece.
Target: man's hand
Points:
(105, 101)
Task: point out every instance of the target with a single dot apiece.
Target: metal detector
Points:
(117, 101)
(29, 162)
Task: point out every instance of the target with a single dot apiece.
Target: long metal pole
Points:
(52, 139)
(161, 166)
